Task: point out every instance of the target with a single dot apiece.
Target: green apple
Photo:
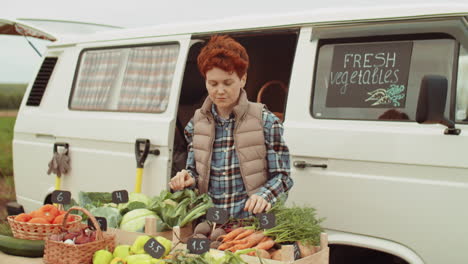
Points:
(139, 259)
(139, 244)
(102, 257)
(122, 251)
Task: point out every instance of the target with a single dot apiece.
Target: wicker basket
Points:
(33, 231)
(57, 252)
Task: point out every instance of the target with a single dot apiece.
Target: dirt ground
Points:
(8, 112)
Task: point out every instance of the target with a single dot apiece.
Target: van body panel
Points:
(377, 170)
(101, 142)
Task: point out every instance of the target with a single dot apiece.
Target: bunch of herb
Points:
(179, 208)
(295, 224)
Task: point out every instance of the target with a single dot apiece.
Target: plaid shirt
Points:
(226, 187)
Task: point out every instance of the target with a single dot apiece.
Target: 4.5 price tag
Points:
(61, 197)
(154, 248)
(198, 245)
(102, 221)
(267, 220)
(119, 197)
(217, 215)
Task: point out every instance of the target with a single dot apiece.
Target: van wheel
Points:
(342, 254)
(48, 199)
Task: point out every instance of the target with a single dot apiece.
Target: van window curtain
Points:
(147, 79)
(98, 70)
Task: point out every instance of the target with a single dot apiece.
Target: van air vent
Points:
(40, 84)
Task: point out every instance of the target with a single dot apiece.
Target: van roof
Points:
(390, 10)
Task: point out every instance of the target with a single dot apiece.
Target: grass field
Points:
(7, 189)
(13, 88)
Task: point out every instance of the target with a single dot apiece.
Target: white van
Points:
(348, 81)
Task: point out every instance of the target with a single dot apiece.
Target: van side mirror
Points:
(431, 103)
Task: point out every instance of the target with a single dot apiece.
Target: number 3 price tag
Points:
(154, 248)
(267, 220)
(198, 245)
(61, 197)
(297, 251)
(217, 215)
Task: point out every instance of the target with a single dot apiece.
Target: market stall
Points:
(181, 227)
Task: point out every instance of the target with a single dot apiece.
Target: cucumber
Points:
(21, 247)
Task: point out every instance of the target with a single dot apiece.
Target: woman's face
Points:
(224, 87)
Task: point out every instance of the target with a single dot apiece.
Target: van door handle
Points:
(302, 165)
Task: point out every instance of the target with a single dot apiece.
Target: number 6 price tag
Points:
(198, 245)
(217, 215)
(267, 220)
(61, 197)
(154, 248)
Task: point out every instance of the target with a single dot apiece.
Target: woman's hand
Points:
(181, 181)
(256, 204)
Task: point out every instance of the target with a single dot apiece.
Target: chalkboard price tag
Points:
(102, 221)
(297, 251)
(61, 197)
(198, 245)
(120, 196)
(267, 220)
(217, 215)
(154, 248)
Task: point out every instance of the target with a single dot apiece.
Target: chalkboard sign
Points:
(61, 197)
(102, 221)
(266, 220)
(217, 215)
(297, 251)
(120, 196)
(198, 245)
(369, 75)
(154, 248)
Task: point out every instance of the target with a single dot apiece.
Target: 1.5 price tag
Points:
(297, 251)
(198, 245)
(102, 221)
(61, 197)
(267, 220)
(217, 215)
(119, 197)
(154, 248)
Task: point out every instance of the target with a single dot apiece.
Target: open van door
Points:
(99, 99)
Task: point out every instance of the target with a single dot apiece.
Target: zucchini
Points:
(21, 247)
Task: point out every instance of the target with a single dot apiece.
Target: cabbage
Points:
(111, 214)
(135, 201)
(134, 221)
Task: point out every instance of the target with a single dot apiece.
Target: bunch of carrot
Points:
(243, 238)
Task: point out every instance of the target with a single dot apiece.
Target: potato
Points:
(215, 244)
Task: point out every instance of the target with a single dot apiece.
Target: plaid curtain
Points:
(98, 70)
(148, 78)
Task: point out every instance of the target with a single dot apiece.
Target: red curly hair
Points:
(225, 53)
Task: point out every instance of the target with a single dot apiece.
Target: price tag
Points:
(297, 251)
(120, 196)
(217, 215)
(102, 221)
(198, 245)
(61, 197)
(267, 220)
(154, 248)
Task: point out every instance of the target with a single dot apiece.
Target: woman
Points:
(236, 150)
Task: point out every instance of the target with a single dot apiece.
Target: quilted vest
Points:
(249, 143)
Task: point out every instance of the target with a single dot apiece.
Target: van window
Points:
(378, 80)
(462, 87)
(132, 79)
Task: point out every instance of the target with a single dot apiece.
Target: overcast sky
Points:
(18, 60)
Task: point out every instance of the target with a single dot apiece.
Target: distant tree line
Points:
(10, 101)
